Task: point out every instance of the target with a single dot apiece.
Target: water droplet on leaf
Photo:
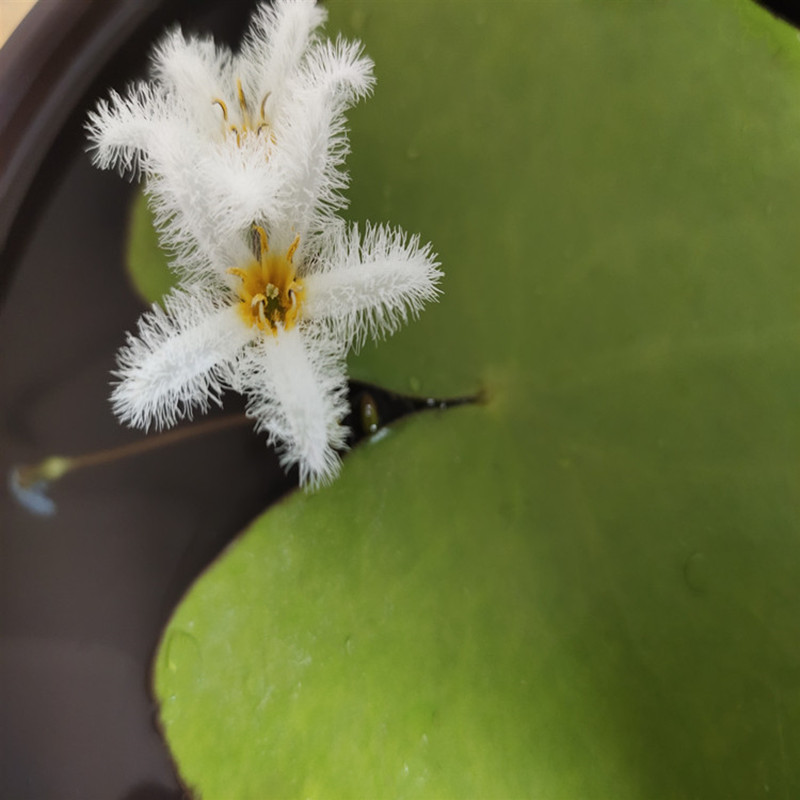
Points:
(370, 420)
(182, 652)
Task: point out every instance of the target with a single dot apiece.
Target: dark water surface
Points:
(84, 594)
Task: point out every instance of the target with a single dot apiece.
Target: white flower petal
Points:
(275, 44)
(194, 72)
(179, 361)
(338, 72)
(241, 186)
(313, 147)
(370, 287)
(201, 199)
(196, 213)
(311, 135)
(296, 388)
(121, 130)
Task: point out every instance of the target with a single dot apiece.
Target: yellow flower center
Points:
(270, 293)
(250, 123)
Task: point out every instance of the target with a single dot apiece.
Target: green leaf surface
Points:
(587, 585)
(147, 263)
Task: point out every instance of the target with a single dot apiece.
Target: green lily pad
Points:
(147, 263)
(584, 586)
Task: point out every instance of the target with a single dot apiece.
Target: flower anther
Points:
(248, 123)
(271, 295)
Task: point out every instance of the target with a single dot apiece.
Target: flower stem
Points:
(29, 482)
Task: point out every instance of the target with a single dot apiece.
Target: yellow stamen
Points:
(246, 123)
(221, 103)
(293, 248)
(240, 93)
(263, 240)
(270, 293)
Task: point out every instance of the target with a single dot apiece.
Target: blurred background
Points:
(11, 14)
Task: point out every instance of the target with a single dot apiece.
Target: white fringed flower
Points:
(277, 329)
(242, 157)
(237, 138)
